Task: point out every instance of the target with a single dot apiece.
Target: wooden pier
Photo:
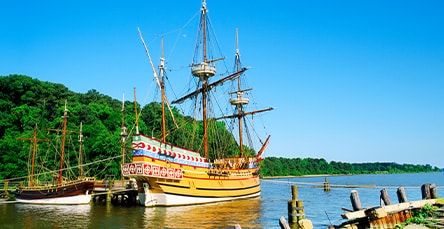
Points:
(6, 190)
(390, 215)
(122, 193)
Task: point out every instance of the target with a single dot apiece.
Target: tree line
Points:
(26, 102)
(278, 166)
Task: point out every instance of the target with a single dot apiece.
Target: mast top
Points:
(237, 43)
(205, 69)
(66, 109)
(204, 6)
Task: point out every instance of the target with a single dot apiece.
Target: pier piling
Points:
(384, 197)
(425, 191)
(295, 209)
(326, 185)
(393, 215)
(433, 191)
(402, 197)
(355, 201)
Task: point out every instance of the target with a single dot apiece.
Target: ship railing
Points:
(65, 183)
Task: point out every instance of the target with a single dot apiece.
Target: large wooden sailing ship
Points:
(169, 175)
(60, 191)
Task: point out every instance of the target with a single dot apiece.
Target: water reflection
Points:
(218, 215)
(49, 216)
(323, 208)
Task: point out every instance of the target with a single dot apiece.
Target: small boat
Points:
(170, 174)
(61, 191)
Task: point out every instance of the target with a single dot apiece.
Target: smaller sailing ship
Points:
(77, 191)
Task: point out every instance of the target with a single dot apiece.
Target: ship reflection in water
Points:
(246, 213)
(54, 216)
(217, 215)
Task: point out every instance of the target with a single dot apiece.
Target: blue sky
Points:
(352, 81)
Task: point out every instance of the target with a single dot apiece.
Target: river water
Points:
(322, 208)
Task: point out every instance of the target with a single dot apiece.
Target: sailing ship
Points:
(61, 191)
(170, 175)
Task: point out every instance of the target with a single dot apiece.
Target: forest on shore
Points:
(28, 104)
(274, 166)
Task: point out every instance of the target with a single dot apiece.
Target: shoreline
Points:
(304, 176)
(334, 175)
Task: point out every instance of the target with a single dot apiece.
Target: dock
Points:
(118, 192)
(429, 211)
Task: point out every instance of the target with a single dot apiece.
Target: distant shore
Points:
(302, 176)
(330, 175)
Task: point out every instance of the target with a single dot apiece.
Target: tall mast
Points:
(204, 79)
(204, 70)
(124, 132)
(160, 83)
(203, 21)
(123, 135)
(34, 141)
(80, 151)
(34, 150)
(136, 112)
(162, 89)
(65, 119)
(240, 101)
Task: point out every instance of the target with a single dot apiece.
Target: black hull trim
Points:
(55, 192)
(221, 197)
(210, 189)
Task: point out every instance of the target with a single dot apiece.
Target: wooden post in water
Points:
(300, 210)
(6, 187)
(384, 197)
(402, 198)
(295, 208)
(355, 201)
(433, 191)
(425, 191)
(109, 194)
(294, 192)
(326, 185)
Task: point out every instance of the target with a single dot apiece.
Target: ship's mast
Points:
(34, 150)
(239, 101)
(204, 70)
(136, 112)
(162, 90)
(123, 135)
(161, 83)
(65, 119)
(80, 151)
(34, 141)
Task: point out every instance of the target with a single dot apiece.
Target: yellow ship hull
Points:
(170, 176)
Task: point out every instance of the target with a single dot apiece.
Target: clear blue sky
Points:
(352, 81)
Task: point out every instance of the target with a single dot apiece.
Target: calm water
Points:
(322, 208)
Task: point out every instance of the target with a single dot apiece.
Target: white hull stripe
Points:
(79, 199)
(151, 200)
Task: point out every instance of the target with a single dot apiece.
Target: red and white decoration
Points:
(154, 149)
(149, 170)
